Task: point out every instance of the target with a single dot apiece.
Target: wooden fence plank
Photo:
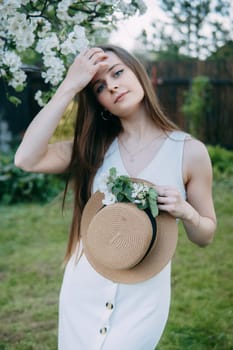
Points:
(172, 79)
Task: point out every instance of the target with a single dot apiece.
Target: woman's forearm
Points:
(200, 229)
(37, 136)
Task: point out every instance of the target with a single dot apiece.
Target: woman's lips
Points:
(118, 98)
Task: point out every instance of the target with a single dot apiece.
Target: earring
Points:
(105, 115)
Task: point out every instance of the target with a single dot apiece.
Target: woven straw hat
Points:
(126, 244)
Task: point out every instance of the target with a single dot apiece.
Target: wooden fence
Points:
(172, 79)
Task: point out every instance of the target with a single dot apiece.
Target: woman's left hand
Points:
(170, 200)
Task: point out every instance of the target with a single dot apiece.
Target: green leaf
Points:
(117, 188)
(120, 197)
(19, 88)
(128, 192)
(152, 193)
(15, 100)
(154, 210)
(142, 206)
(153, 206)
(113, 172)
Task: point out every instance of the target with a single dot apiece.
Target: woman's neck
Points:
(138, 126)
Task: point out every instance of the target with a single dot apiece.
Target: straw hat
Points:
(126, 244)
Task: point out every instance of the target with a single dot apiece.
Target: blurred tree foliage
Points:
(223, 53)
(193, 29)
(17, 186)
(197, 105)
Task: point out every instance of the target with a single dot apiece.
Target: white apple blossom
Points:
(39, 98)
(21, 30)
(141, 6)
(2, 72)
(125, 8)
(17, 23)
(7, 7)
(56, 31)
(75, 42)
(48, 43)
(80, 17)
(62, 10)
(46, 28)
(18, 79)
(12, 60)
(25, 40)
(2, 43)
(109, 2)
(54, 73)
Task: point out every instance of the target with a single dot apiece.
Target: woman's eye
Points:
(99, 88)
(118, 72)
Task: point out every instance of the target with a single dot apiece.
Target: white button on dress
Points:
(98, 314)
(103, 330)
(109, 306)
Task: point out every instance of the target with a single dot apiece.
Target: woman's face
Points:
(117, 88)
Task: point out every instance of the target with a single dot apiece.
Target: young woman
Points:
(119, 124)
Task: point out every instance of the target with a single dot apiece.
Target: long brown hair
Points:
(93, 136)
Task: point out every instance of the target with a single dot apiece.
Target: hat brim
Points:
(158, 257)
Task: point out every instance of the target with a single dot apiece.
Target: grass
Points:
(32, 244)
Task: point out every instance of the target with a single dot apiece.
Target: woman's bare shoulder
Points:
(194, 148)
(196, 157)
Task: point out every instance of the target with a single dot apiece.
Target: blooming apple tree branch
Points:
(56, 31)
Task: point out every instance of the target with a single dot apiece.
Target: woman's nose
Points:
(112, 86)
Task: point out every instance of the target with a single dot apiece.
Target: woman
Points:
(119, 124)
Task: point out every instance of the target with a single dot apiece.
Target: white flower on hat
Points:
(102, 183)
(124, 189)
(109, 198)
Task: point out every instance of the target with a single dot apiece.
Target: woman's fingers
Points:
(91, 56)
(166, 200)
(94, 55)
(98, 57)
(164, 194)
(84, 68)
(89, 53)
(169, 199)
(94, 59)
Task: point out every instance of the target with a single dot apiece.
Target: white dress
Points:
(98, 314)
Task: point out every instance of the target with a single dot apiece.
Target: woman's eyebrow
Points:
(112, 67)
(109, 70)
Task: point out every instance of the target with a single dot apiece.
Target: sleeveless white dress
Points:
(98, 314)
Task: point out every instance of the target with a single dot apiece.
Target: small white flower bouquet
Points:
(124, 189)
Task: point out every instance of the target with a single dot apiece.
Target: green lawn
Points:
(32, 244)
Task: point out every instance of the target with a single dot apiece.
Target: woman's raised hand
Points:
(34, 153)
(84, 68)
